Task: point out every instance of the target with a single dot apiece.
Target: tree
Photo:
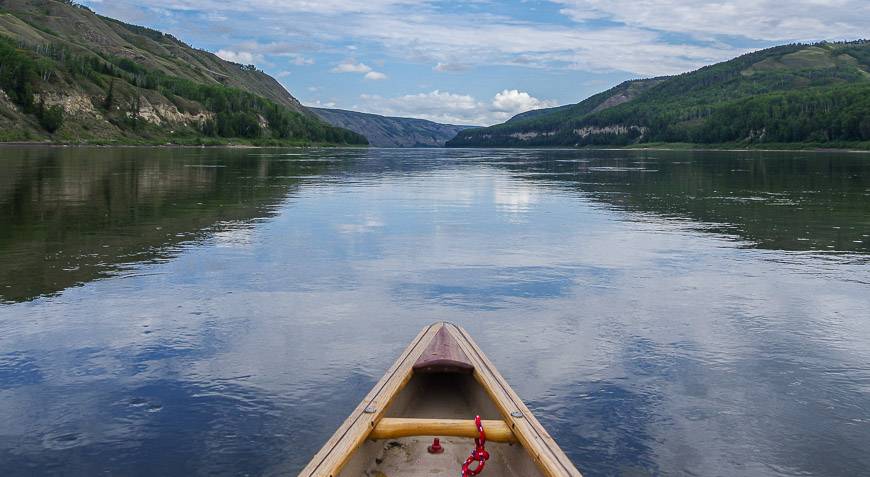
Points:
(110, 96)
(864, 128)
(51, 118)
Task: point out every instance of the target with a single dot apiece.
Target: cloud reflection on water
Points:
(646, 343)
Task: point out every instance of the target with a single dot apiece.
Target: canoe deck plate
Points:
(443, 355)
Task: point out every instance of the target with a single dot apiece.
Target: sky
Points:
(479, 62)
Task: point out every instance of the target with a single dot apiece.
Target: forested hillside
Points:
(818, 94)
(70, 75)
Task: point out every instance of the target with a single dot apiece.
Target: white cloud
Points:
(351, 67)
(646, 38)
(773, 20)
(361, 68)
(249, 52)
(419, 31)
(445, 67)
(375, 76)
(439, 106)
(242, 57)
(515, 102)
(300, 60)
(497, 41)
(213, 17)
(452, 108)
(320, 104)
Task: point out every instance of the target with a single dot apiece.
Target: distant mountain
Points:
(795, 93)
(72, 75)
(386, 131)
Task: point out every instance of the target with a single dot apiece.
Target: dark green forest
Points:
(789, 94)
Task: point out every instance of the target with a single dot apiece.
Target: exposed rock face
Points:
(158, 113)
(617, 129)
(162, 113)
(73, 104)
(6, 102)
(531, 135)
(525, 136)
(614, 129)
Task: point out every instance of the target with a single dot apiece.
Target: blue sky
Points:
(481, 61)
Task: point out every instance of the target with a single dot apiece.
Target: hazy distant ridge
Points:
(387, 131)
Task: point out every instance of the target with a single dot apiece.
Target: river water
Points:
(212, 311)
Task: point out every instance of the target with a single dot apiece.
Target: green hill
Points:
(69, 75)
(817, 94)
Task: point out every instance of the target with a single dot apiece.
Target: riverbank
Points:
(233, 143)
(856, 147)
(859, 147)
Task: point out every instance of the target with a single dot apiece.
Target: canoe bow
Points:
(439, 348)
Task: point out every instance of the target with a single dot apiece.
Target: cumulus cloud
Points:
(445, 67)
(515, 102)
(242, 57)
(361, 68)
(453, 108)
(375, 76)
(439, 106)
(250, 52)
(300, 60)
(320, 104)
(351, 67)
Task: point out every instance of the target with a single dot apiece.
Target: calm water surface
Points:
(189, 312)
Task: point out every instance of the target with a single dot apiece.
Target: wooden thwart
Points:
(394, 428)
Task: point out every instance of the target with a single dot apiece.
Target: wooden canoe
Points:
(435, 389)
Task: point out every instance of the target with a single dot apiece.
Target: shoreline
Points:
(177, 146)
(686, 147)
(662, 147)
(696, 149)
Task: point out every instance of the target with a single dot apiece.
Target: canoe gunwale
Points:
(556, 463)
(338, 449)
(354, 431)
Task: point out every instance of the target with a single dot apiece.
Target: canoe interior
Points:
(448, 396)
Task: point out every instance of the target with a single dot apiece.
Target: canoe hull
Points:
(454, 380)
